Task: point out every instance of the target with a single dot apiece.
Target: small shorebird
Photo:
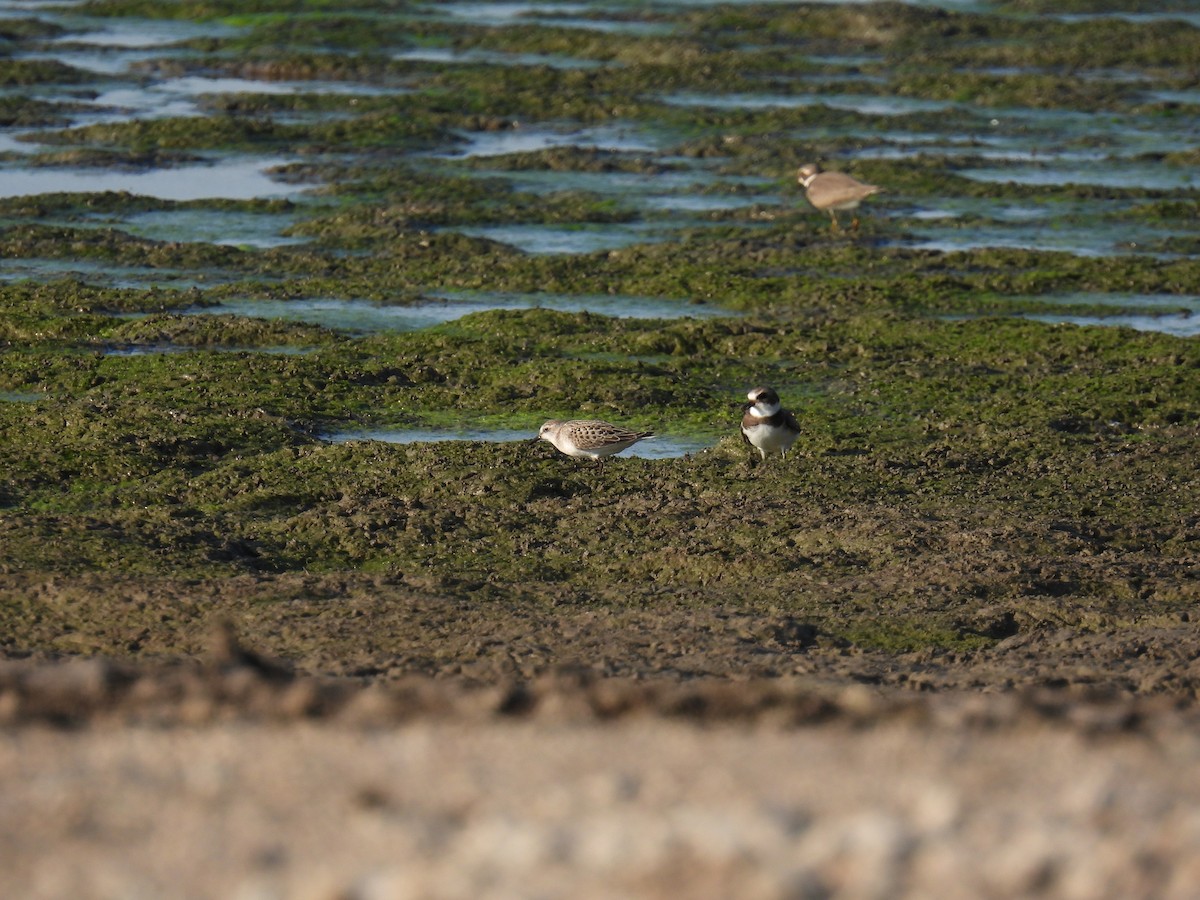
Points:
(831, 191)
(589, 438)
(767, 426)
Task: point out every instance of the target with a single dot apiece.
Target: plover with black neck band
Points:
(833, 191)
(767, 426)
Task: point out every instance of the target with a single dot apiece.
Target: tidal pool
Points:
(138, 33)
(582, 238)
(1122, 299)
(234, 178)
(1174, 314)
(163, 349)
(214, 226)
(534, 139)
(1183, 324)
(451, 56)
(635, 188)
(365, 317)
(10, 144)
(1036, 233)
(560, 15)
(180, 97)
(1190, 18)
(104, 273)
(1103, 173)
(867, 104)
(660, 446)
(20, 397)
(110, 61)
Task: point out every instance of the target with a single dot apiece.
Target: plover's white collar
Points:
(764, 409)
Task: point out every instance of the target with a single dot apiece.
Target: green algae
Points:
(28, 72)
(28, 112)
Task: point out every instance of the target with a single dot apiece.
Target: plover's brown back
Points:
(836, 190)
(833, 191)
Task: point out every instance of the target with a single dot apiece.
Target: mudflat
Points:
(269, 628)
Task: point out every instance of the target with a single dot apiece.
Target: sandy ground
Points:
(240, 781)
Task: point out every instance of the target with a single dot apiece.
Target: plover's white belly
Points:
(770, 438)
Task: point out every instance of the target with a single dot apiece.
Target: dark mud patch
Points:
(235, 683)
(321, 640)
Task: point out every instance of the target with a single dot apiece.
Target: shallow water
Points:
(1175, 314)
(20, 397)
(10, 144)
(659, 194)
(1036, 233)
(867, 104)
(106, 274)
(451, 56)
(213, 226)
(584, 238)
(365, 317)
(615, 305)
(560, 15)
(131, 34)
(1180, 324)
(235, 178)
(533, 139)
(658, 447)
(1122, 299)
(1104, 173)
(1189, 18)
(100, 60)
(161, 349)
(694, 180)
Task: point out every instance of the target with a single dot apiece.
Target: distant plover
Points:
(767, 426)
(589, 438)
(831, 191)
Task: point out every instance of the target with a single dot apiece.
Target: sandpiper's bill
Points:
(589, 438)
(767, 426)
(831, 191)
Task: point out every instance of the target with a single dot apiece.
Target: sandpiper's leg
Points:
(854, 224)
(835, 227)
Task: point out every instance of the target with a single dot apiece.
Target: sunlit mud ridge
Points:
(235, 684)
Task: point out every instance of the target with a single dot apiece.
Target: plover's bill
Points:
(767, 426)
(589, 438)
(831, 191)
